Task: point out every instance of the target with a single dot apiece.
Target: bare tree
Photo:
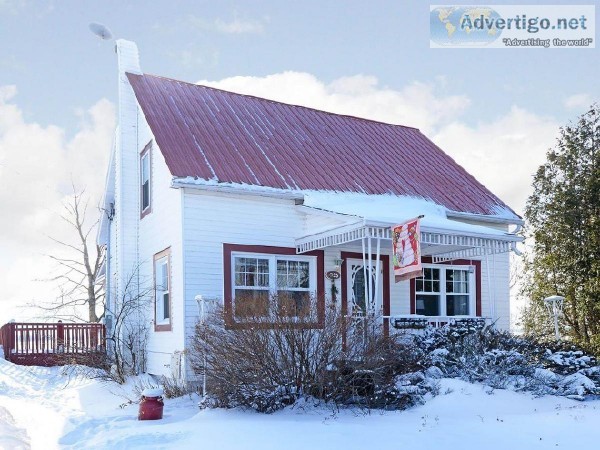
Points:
(79, 266)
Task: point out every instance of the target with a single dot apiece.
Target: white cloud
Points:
(12, 6)
(421, 105)
(36, 167)
(238, 26)
(204, 58)
(502, 153)
(578, 101)
(233, 26)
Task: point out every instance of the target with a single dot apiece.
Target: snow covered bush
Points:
(567, 361)
(502, 360)
(274, 359)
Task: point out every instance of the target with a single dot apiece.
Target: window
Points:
(251, 286)
(258, 279)
(293, 286)
(162, 291)
(445, 291)
(145, 180)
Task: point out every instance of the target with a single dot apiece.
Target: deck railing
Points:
(48, 344)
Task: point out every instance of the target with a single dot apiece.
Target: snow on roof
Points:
(211, 134)
(391, 210)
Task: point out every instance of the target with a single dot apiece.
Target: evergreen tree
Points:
(563, 226)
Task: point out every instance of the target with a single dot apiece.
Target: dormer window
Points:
(145, 180)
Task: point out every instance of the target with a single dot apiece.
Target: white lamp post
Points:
(554, 305)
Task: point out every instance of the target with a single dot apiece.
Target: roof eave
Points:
(239, 189)
(515, 220)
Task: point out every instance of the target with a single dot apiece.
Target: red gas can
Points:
(151, 405)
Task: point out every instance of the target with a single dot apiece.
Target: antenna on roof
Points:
(101, 31)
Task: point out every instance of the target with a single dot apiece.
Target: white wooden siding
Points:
(211, 219)
(158, 230)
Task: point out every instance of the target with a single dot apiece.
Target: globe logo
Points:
(463, 25)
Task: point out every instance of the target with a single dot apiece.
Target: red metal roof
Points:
(209, 133)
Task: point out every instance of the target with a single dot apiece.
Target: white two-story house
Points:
(225, 195)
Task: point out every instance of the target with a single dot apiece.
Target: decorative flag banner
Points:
(407, 250)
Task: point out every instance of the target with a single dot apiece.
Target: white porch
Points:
(371, 241)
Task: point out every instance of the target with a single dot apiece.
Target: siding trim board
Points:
(228, 249)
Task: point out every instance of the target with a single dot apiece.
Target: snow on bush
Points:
(505, 361)
(272, 362)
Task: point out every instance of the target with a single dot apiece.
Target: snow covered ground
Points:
(41, 409)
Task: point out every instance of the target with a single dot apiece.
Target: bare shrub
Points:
(174, 387)
(269, 359)
(127, 339)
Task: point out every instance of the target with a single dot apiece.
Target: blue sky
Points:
(495, 111)
(59, 66)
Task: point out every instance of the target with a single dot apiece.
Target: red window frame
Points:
(228, 249)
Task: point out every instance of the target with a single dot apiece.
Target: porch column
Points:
(365, 273)
(378, 299)
(370, 298)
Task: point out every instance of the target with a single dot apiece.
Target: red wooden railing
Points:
(49, 344)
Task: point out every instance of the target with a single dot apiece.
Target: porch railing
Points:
(49, 344)
(414, 321)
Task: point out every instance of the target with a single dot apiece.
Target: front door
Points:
(355, 286)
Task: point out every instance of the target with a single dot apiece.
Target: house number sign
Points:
(332, 275)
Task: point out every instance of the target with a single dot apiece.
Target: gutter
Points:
(483, 218)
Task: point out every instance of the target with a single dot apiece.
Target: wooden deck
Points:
(52, 344)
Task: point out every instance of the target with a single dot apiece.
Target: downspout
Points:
(489, 284)
(110, 214)
(494, 293)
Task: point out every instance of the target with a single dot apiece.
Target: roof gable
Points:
(217, 135)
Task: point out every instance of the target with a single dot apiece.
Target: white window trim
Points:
(472, 287)
(159, 302)
(273, 257)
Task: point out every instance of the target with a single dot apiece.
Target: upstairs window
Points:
(145, 180)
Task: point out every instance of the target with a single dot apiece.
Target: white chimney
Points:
(127, 148)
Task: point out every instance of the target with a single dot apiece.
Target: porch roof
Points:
(442, 238)
(437, 243)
